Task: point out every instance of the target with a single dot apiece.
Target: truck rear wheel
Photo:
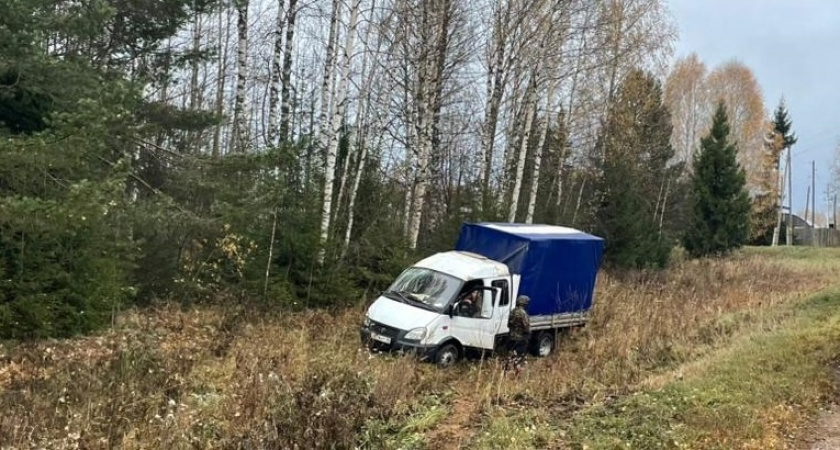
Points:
(447, 355)
(543, 345)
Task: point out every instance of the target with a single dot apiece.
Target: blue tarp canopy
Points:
(557, 265)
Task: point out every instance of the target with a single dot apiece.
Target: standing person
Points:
(520, 331)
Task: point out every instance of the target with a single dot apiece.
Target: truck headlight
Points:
(366, 322)
(416, 334)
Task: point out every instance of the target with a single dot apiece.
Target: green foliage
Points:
(22, 110)
(634, 149)
(720, 220)
(59, 270)
(555, 169)
(218, 225)
(69, 120)
(782, 125)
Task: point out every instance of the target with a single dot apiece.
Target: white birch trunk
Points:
(270, 254)
(664, 204)
(535, 176)
(195, 92)
(530, 108)
(351, 203)
(579, 200)
(286, 79)
(362, 126)
(328, 80)
(495, 90)
(517, 105)
(240, 112)
(195, 95)
(409, 195)
(573, 90)
(224, 43)
(276, 74)
(420, 183)
(430, 84)
(337, 121)
(363, 155)
(362, 144)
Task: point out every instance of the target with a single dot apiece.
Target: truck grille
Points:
(383, 329)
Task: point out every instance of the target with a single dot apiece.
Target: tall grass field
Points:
(734, 352)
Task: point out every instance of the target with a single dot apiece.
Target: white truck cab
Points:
(457, 300)
(423, 308)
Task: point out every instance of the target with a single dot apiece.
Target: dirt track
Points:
(826, 432)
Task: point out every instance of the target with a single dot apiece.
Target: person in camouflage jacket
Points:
(520, 326)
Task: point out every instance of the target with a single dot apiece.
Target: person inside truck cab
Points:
(470, 303)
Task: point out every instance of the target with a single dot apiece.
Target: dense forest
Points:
(297, 153)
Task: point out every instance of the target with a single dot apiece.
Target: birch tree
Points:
(286, 78)
(240, 112)
(421, 32)
(547, 24)
(276, 75)
(735, 84)
(581, 38)
(327, 81)
(530, 112)
(223, 47)
(686, 95)
(499, 59)
(363, 120)
(338, 121)
(538, 156)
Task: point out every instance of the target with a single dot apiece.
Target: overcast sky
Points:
(793, 49)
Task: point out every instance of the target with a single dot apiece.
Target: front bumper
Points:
(397, 344)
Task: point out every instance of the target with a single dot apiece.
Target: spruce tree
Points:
(782, 125)
(720, 221)
(634, 149)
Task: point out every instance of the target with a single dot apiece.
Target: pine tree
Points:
(720, 221)
(634, 152)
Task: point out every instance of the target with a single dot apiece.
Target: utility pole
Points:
(834, 214)
(789, 237)
(814, 190)
(782, 178)
(807, 204)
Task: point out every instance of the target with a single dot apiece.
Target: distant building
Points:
(798, 222)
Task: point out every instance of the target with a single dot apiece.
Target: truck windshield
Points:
(432, 289)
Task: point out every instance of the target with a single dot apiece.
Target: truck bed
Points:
(553, 321)
(557, 266)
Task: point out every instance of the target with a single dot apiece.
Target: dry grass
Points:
(219, 378)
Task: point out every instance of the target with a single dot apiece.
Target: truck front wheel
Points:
(543, 345)
(447, 355)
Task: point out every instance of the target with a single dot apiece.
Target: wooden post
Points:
(777, 230)
(807, 204)
(789, 240)
(813, 202)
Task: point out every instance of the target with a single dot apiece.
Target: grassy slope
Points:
(756, 392)
(728, 349)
